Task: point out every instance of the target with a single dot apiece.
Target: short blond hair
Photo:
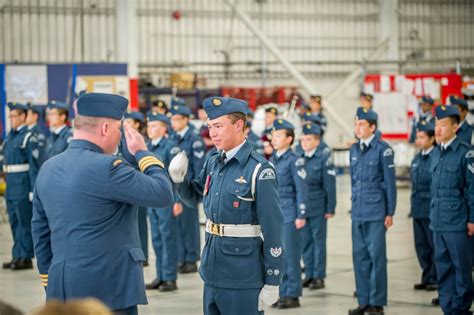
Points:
(89, 306)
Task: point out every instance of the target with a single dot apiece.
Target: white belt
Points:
(16, 168)
(233, 230)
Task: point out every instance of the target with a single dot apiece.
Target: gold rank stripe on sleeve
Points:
(147, 161)
(117, 162)
(44, 280)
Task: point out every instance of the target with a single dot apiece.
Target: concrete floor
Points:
(22, 289)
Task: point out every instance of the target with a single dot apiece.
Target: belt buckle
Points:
(217, 229)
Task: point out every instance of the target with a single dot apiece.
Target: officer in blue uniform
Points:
(242, 260)
(84, 225)
(291, 175)
(163, 224)
(20, 165)
(255, 140)
(420, 205)
(321, 181)
(452, 212)
(135, 120)
(426, 114)
(465, 131)
(32, 119)
(374, 196)
(188, 221)
(61, 134)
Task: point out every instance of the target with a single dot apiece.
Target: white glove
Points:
(268, 295)
(178, 167)
(30, 196)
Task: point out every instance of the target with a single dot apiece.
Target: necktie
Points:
(364, 147)
(223, 157)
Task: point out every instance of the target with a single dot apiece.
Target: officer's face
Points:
(423, 141)
(179, 122)
(224, 134)
(269, 118)
(17, 118)
(445, 129)
(155, 129)
(280, 140)
(31, 118)
(363, 129)
(309, 142)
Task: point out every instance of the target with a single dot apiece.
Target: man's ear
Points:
(104, 128)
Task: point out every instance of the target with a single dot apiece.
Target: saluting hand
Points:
(135, 141)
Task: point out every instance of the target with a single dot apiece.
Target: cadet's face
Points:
(423, 141)
(155, 129)
(17, 118)
(269, 118)
(425, 107)
(54, 119)
(315, 106)
(445, 129)
(132, 123)
(365, 103)
(224, 134)
(309, 142)
(179, 122)
(202, 114)
(462, 112)
(279, 140)
(31, 118)
(363, 129)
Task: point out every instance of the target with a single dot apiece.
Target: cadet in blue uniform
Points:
(32, 119)
(163, 224)
(255, 140)
(366, 100)
(321, 181)
(291, 174)
(136, 121)
(374, 196)
(61, 134)
(20, 165)
(242, 258)
(316, 109)
(159, 107)
(271, 114)
(465, 131)
(426, 114)
(84, 226)
(452, 212)
(188, 221)
(420, 205)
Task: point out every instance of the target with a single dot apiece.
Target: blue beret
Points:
(151, 116)
(309, 117)
(425, 126)
(427, 100)
(443, 111)
(367, 96)
(366, 114)
(14, 105)
(178, 101)
(36, 108)
(272, 109)
(216, 106)
(317, 98)
(57, 105)
(458, 101)
(311, 129)
(102, 105)
(134, 115)
(279, 124)
(180, 110)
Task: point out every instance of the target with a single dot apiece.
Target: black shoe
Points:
(374, 310)
(155, 284)
(8, 265)
(168, 286)
(360, 310)
(305, 283)
(22, 264)
(289, 302)
(145, 263)
(419, 286)
(435, 302)
(188, 268)
(431, 287)
(278, 303)
(316, 284)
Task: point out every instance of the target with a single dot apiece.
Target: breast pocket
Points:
(240, 202)
(236, 259)
(452, 175)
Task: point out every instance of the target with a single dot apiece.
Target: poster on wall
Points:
(25, 84)
(103, 84)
